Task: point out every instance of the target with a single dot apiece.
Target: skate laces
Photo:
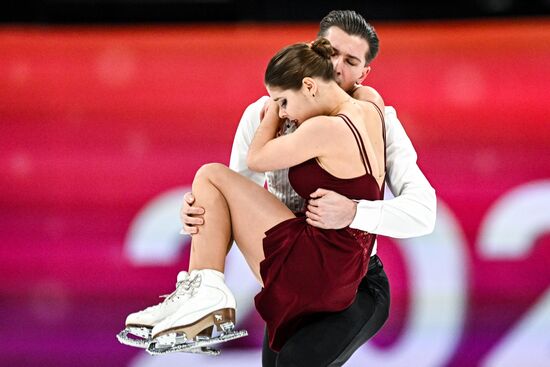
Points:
(177, 292)
(192, 283)
(183, 287)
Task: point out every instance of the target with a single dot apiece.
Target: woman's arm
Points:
(268, 152)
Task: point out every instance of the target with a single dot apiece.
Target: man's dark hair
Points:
(353, 24)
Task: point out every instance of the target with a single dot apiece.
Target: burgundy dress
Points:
(308, 270)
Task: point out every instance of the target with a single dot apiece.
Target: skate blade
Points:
(201, 346)
(141, 337)
(157, 351)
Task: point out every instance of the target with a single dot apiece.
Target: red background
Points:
(96, 122)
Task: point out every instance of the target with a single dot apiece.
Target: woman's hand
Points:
(270, 116)
(271, 109)
(264, 109)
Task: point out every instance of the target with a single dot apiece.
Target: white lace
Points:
(192, 283)
(177, 292)
(187, 286)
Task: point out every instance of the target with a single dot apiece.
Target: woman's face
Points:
(295, 105)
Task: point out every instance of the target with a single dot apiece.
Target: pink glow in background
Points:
(97, 122)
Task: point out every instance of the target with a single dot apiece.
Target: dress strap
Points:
(360, 144)
(381, 114)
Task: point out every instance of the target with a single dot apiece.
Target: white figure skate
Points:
(137, 332)
(209, 304)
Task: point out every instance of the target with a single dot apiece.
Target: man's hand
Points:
(190, 216)
(330, 210)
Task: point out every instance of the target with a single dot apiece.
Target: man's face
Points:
(349, 57)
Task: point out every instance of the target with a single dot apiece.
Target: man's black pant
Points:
(332, 338)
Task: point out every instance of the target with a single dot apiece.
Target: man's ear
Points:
(309, 86)
(366, 71)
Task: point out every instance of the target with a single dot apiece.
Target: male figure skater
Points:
(332, 338)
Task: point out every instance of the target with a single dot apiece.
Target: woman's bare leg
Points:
(235, 207)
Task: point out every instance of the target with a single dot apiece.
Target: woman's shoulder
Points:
(362, 113)
(322, 125)
(368, 95)
(320, 121)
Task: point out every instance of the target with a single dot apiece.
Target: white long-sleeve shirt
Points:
(410, 213)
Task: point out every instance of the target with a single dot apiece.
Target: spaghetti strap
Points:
(360, 144)
(377, 110)
(381, 114)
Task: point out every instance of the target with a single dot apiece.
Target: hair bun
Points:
(322, 47)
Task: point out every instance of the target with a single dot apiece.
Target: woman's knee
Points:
(210, 171)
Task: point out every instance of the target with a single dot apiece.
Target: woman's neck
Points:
(336, 98)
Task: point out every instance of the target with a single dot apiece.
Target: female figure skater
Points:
(339, 145)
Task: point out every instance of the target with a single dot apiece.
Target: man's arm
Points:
(411, 213)
(243, 138)
(413, 210)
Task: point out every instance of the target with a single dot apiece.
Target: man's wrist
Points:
(367, 215)
(354, 210)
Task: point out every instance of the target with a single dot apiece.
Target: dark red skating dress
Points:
(308, 270)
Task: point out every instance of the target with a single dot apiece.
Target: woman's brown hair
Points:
(292, 64)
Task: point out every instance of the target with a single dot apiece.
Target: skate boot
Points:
(210, 307)
(137, 332)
